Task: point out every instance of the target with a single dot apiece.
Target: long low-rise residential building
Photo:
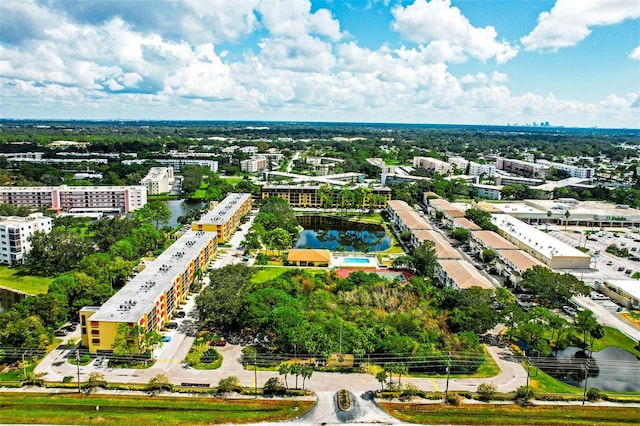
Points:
(177, 163)
(443, 249)
(463, 222)
(488, 240)
(158, 180)
(523, 168)
(15, 233)
(151, 298)
(404, 217)
(513, 263)
(550, 251)
(224, 219)
(77, 199)
(461, 275)
(316, 196)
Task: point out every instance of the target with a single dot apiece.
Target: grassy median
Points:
(27, 408)
(492, 414)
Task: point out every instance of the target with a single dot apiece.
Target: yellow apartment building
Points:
(309, 195)
(224, 219)
(153, 296)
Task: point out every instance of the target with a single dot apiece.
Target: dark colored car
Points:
(172, 325)
(180, 314)
(220, 342)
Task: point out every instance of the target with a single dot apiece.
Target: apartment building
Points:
(224, 219)
(77, 199)
(405, 218)
(253, 165)
(153, 296)
(178, 163)
(14, 236)
(433, 164)
(460, 274)
(309, 195)
(522, 168)
(572, 171)
(477, 169)
(158, 180)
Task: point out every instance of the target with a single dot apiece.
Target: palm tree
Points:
(566, 215)
(381, 377)
(547, 223)
(284, 370)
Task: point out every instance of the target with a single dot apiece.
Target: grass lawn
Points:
(482, 414)
(613, 337)
(199, 194)
(264, 274)
(76, 408)
(13, 278)
(267, 274)
(541, 383)
(232, 180)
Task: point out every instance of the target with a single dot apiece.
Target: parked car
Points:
(220, 342)
(166, 339)
(569, 310)
(628, 271)
(60, 333)
(98, 361)
(610, 263)
(180, 314)
(620, 268)
(172, 325)
(598, 296)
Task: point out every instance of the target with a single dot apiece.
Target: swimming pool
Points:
(356, 260)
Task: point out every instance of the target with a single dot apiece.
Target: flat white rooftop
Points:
(631, 287)
(138, 296)
(223, 211)
(539, 241)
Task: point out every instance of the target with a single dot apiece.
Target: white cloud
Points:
(293, 18)
(439, 24)
(570, 21)
(304, 53)
(218, 20)
(635, 54)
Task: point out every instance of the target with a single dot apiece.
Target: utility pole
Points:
(526, 396)
(586, 376)
(255, 374)
(446, 389)
(78, 365)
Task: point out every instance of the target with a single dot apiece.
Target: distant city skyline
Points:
(572, 63)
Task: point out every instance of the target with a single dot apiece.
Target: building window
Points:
(95, 341)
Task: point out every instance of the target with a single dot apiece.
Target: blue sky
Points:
(568, 62)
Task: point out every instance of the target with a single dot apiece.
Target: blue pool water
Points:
(355, 260)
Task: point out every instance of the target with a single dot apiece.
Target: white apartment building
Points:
(158, 180)
(253, 165)
(477, 169)
(177, 163)
(433, 164)
(77, 199)
(573, 171)
(14, 236)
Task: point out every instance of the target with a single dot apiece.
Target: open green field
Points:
(13, 278)
(265, 274)
(232, 180)
(495, 414)
(614, 337)
(76, 408)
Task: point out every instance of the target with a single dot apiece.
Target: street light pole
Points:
(78, 366)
